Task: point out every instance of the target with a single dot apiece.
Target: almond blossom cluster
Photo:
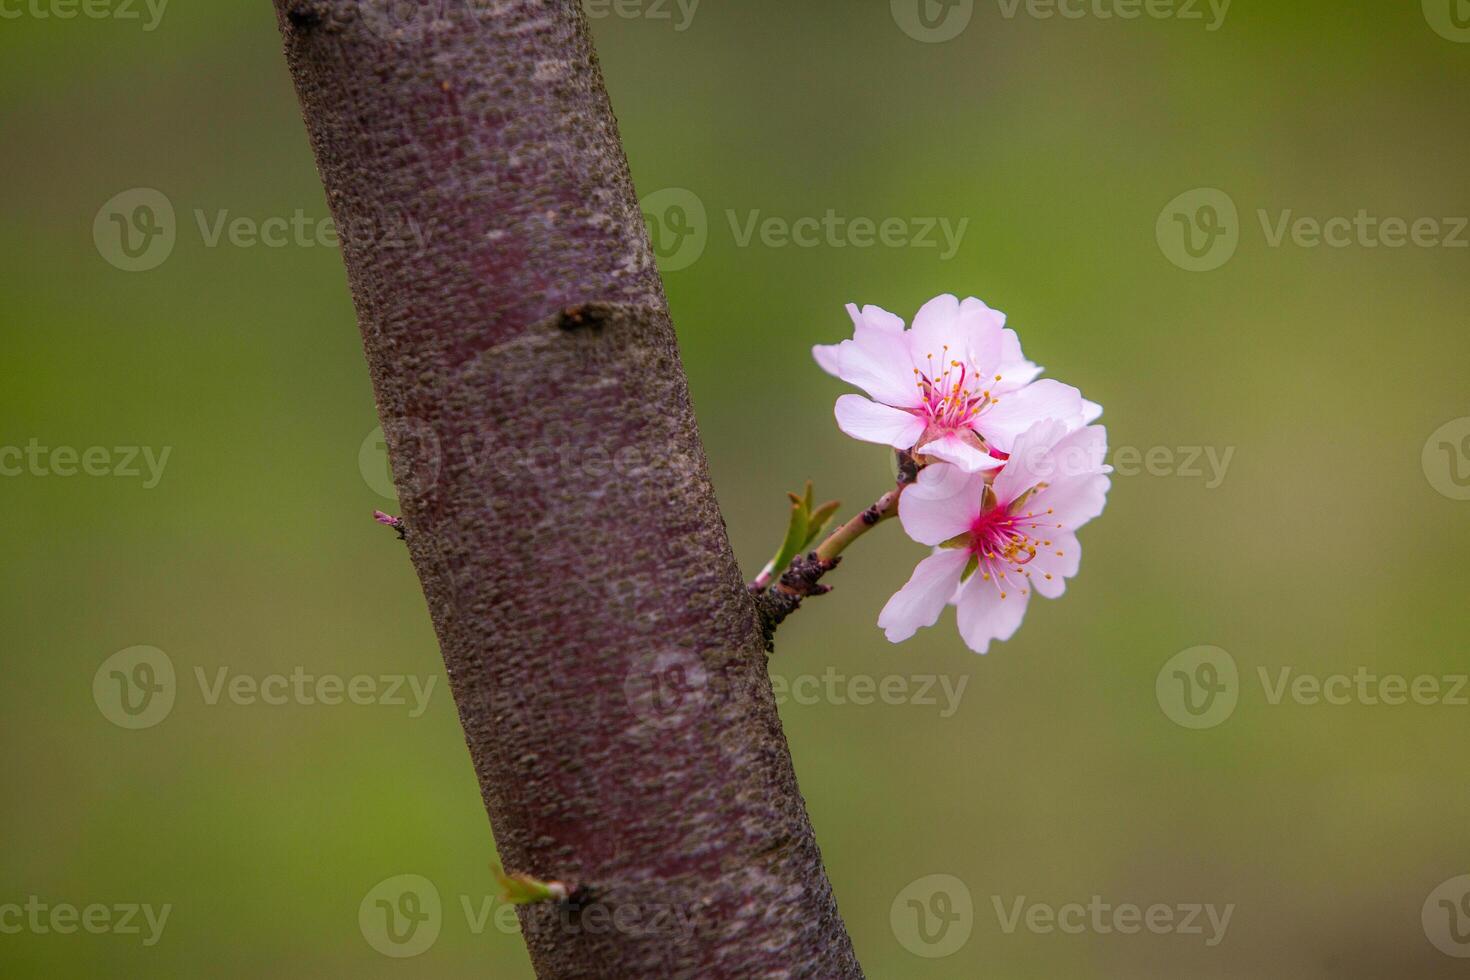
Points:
(1011, 466)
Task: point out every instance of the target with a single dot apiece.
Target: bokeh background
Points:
(1334, 541)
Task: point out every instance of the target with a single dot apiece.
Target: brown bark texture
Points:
(605, 658)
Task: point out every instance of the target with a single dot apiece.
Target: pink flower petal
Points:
(828, 358)
(954, 449)
(1072, 469)
(941, 505)
(873, 318)
(919, 603)
(984, 338)
(881, 366)
(1059, 567)
(1031, 461)
(1085, 450)
(972, 304)
(871, 422)
(936, 326)
(1014, 370)
(1073, 502)
(874, 329)
(984, 616)
(1016, 412)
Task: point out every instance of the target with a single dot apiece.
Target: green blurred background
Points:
(1329, 545)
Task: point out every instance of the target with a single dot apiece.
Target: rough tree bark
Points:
(604, 655)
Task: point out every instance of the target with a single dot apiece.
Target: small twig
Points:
(803, 576)
(762, 581)
(522, 889)
(805, 526)
(396, 523)
(883, 508)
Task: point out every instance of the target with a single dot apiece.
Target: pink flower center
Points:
(1002, 536)
(1004, 543)
(952, 394)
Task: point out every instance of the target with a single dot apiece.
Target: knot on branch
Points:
(304, 15)
(908, 467)
(801, 579)
(584, 315)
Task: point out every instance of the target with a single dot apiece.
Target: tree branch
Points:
(604, 655)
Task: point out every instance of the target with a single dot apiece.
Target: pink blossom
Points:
(998, 540)
(954, 388)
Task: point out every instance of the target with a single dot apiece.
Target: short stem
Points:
(883, 508)
(763, 581)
